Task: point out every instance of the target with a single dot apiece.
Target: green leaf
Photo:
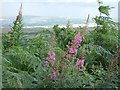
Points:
(104, 10)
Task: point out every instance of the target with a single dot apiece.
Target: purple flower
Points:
(54, 74)
(80, 63)
(71, 50)
(73, 55)
(74, 45)
(46, 64)
(68, 55)
(51, 55)
(78, 37)
(51, 62)
(50, 59)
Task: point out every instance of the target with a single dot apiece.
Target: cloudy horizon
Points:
(56, 8)
(88, 1)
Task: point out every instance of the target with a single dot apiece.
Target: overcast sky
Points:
(56, 8)
(57, 0)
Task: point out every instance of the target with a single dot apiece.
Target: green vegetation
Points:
(63, 57)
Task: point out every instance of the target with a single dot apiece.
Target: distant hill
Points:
(40, 21)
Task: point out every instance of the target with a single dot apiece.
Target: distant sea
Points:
(45, 22)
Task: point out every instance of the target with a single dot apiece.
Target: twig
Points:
(86, 24)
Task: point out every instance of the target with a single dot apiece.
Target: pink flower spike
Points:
(54, 74)
(49, 53)
(52, 57)
(73, 55)
(46, 64)
(80, 63)
(71, 50)
(51, 62)
(75, 45)
(68, 55)
(78, 37)
(75, 50)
